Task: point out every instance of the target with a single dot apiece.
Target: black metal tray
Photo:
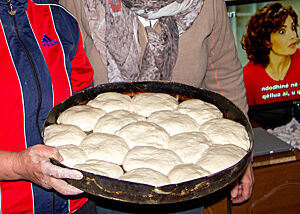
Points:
(146, 194)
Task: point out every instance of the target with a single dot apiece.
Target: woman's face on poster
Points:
(284, 42)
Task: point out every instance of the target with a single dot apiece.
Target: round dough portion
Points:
(173, 122)
(146, 103)
(144, 133)
(220, 157)
(115, 120)
(112, 96)
(101, 167)
(199, 110)
(58, 135)
(202, 115)
(225, 131)
(186, 172)
(146, 176)
(83, 116)
(196, 104)
(189, 146)
(112, 101)
(161, 160)
(72, 155)
(105, 147)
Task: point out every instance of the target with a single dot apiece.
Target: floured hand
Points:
(33, 164)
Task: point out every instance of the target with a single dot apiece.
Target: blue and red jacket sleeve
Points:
(82, 71)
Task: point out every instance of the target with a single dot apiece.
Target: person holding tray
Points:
(42, 63)
(186, 41)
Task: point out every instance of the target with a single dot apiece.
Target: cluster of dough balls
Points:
(149, 138)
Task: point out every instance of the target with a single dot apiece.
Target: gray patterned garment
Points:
(114, 26)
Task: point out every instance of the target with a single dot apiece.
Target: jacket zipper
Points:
(12, 12)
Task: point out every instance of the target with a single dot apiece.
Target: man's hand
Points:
(243, 189)
(33, 164)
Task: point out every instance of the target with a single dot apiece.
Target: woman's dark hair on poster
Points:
(267, 20)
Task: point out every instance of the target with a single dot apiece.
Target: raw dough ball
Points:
(146, 103)
(144, 133)
(225, 131)
(161, 160)
(105, 147)
(220, 157)
(113, 121)
(101, 167)
(146, 176)
(111, 101)
(151, 135)
(58, 135)
(199, 110)
(196, 104)
(72, 155)
(83, 116)
(186, 172)
(174, 122)
(112, 96)
(189, 146)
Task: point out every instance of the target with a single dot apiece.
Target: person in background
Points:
(272, 73)
(186, 41)
(42, 63)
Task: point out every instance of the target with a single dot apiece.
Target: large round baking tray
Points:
(145, 194)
